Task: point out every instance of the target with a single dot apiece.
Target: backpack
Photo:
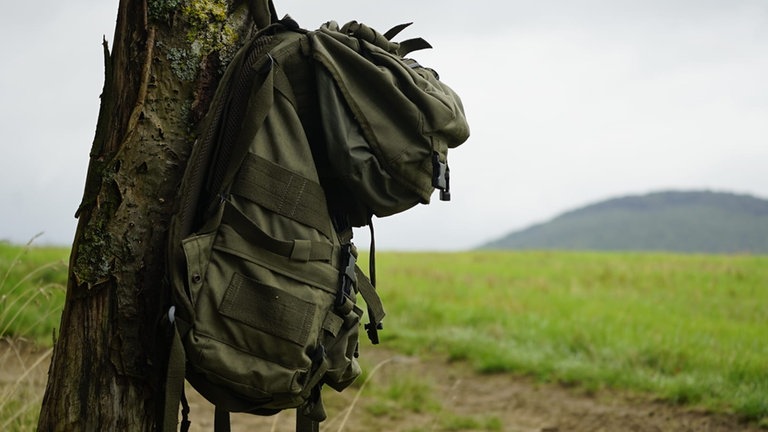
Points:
(310, 134)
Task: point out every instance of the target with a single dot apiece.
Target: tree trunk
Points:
(107, 370)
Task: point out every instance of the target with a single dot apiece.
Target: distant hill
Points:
(699, 221)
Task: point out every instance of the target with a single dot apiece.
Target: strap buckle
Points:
(441, 176)
(347, 274)
(372, 329)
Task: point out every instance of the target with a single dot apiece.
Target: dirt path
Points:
(487, 402)
(457, 399)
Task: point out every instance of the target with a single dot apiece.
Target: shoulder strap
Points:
(174, 385)
(256, 69)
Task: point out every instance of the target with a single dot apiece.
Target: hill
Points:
(675, 221)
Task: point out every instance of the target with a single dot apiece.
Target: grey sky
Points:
(569, 102)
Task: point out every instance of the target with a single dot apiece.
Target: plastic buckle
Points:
(441, 175)
(373, 331)
(347, 274)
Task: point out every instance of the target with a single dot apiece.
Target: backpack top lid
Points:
(388, 121)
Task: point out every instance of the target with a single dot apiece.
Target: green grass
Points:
(404, 393)
(690, 329)
(32, 291)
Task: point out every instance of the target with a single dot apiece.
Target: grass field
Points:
(32, 291)
(690, 329)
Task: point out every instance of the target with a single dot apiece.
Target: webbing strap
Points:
(221, 421)
(174, 384)
(368, 291)
(394, 31)
(408, 46)
(284, 192)
(305, 424)
(297, 250)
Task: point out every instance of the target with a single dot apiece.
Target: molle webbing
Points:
(283, 192)
(297, 250)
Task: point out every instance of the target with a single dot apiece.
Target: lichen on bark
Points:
(160, 10)
(214, 27)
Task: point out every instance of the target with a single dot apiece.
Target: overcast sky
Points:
(569, 102)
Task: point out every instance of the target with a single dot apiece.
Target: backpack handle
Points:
(263, 12)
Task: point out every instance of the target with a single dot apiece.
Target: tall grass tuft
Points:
(32, 291)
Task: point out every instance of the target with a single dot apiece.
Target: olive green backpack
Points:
(309, 135)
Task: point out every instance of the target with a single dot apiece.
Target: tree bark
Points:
(107, 370)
